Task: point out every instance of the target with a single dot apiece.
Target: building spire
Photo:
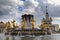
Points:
(46, 7)
(47, 15)
(46, 10)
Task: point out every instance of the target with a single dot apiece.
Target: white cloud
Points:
(56, 18)
(34, 2)
(20, 2)
(30, 6)
(55, 2)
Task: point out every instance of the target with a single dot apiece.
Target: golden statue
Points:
(8, 25)
(22, 23)
(32, 22)
(13, 23)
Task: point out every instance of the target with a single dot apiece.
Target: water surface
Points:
(45, 37)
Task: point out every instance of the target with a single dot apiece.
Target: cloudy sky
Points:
(13, 9)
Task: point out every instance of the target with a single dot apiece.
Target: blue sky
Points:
(13, 9)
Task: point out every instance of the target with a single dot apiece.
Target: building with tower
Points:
(46, 22)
